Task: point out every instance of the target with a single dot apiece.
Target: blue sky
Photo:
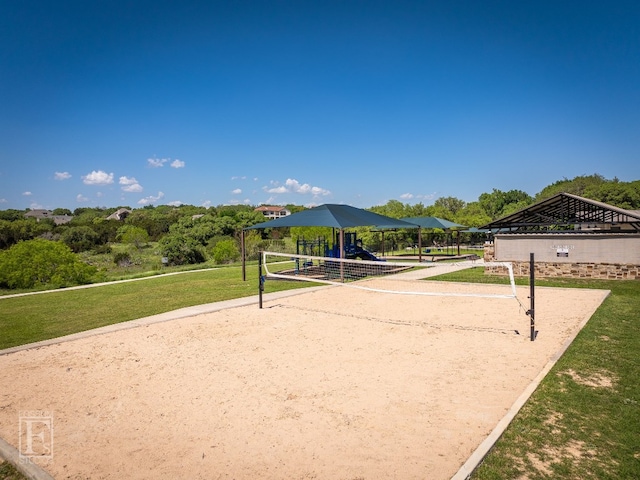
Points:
(109, 103)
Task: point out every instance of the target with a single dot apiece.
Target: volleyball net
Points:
(381, 276)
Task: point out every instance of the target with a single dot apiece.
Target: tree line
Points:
(188, 234)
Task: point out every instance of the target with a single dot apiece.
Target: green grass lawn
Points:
(567, 429)
(9, 472)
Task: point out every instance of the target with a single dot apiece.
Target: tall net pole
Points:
(532, 297)
(260, 281)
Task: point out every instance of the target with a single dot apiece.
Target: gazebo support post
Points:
(243, 255)
(342, 254)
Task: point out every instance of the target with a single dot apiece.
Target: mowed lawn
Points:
(583, 421)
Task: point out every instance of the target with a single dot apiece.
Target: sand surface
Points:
(335, 384)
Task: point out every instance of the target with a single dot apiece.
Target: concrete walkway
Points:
(432, 270)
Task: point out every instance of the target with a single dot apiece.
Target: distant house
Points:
(40, 213)
(121, 214)
(272, 212)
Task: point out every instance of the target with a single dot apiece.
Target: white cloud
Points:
(98, 178)
(62, 175)
(127, 181)
(177, 164)
(27, 194)
(292, 185)
(280, 189)
(237, 191)
(150, 199)
(134, 188)
(156, 162)
(81, 198)
(175, 203)
(35, 206)
(418, 197)
(206, 204)
(238, 178)
(4, 200)
(130, 185)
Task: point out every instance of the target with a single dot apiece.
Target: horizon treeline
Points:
(89, 226)
(40, 252)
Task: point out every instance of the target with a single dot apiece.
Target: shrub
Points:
(80, 238)
(40, 262)
(131, 234)
(122, 259)
(181, 249)
(226, 251)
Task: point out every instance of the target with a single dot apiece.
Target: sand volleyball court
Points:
(336, 383)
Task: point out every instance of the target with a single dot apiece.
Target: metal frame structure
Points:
(568, 212)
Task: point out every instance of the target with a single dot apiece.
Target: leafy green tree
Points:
(133, 235)
(497, 204)
(248, 219)
(39, 262)
(107, 230)
(252, 244)
(85, 216)
(419, 210)
(620, 194)
(12, 214)
(226, 251)
(393, 209)
(583, 186)
(181, 249)
(596, 187)
(61, 211)
(12, 232)
(81, 238)
(472, 215)
(310, 233)
(448, 207)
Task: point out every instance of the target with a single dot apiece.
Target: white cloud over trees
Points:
(130, 184)
(98, 177)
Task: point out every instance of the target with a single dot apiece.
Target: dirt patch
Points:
(596, 380)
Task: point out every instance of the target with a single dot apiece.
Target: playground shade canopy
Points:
(432, 222)
(337, 216)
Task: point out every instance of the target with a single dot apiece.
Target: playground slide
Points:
(363, 254)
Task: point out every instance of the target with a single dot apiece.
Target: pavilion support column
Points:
(243, 254)
(342, 254)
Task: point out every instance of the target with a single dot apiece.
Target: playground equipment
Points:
(353, 248)
(319, 247)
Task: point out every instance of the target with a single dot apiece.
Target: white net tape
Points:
(388, 277)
